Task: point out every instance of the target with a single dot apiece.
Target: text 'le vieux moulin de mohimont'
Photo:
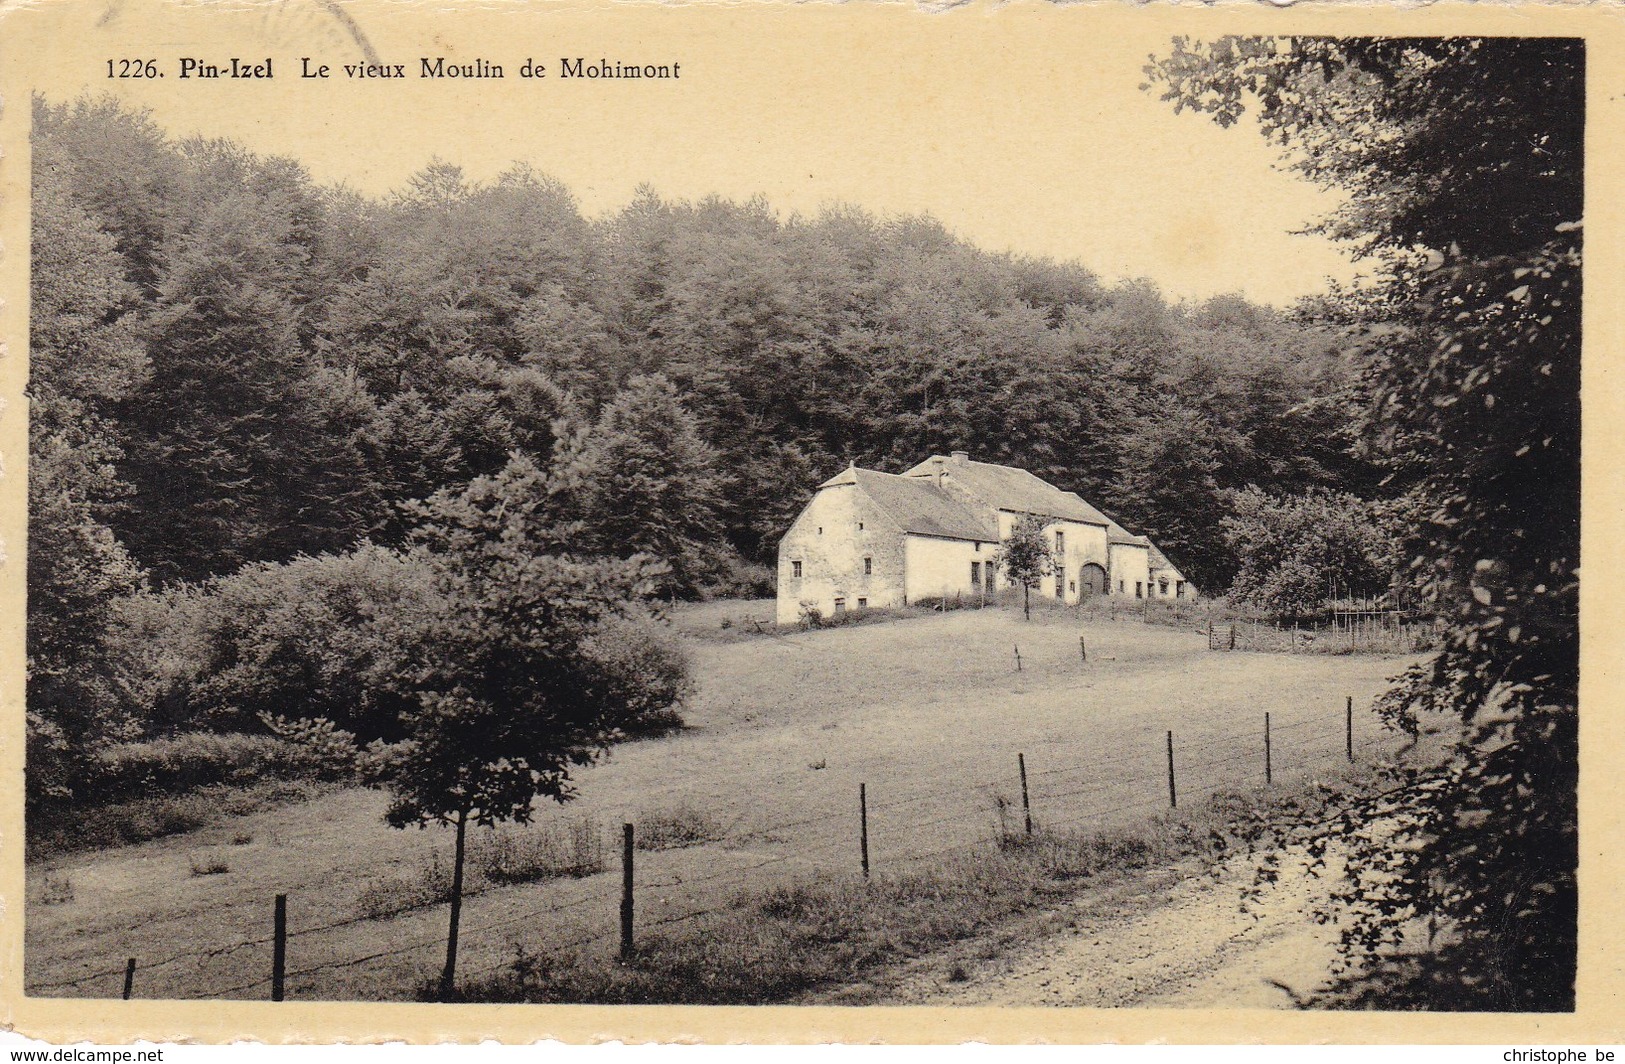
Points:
(437, 68)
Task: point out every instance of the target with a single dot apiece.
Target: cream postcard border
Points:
(721, 30)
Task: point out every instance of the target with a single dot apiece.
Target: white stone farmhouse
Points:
(870, 540)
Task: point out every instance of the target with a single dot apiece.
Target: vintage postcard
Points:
(810, 522)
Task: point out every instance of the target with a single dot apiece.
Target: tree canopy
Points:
(316, 357)
(1463, 161)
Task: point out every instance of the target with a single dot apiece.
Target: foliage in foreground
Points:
(1463, 160)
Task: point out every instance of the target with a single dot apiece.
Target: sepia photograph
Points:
(519, 520)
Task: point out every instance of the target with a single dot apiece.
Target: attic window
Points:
(795, 570)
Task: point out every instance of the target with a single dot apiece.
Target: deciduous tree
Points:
(511, 686)
(1462, 159)
(1025, 558)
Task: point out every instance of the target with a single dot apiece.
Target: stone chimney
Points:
(961, 457)
(937, 469)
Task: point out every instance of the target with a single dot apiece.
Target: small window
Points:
(863, 603)
(860, 526)
(795, 570)
(1120, 587)
(840, 607)
(1072, 584)
(1162, 587)
(1138, 589)
(1179, 589)
(976, 572)
(1060, 542)
(868, 567)
(820, 530)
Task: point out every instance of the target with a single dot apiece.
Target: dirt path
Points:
(1177, 939)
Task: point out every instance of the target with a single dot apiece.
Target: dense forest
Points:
(238, 372)
(269, 367)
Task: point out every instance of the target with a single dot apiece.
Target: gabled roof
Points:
(1160, 560)
(1116, 533)
(1009, 488)
(920, 507)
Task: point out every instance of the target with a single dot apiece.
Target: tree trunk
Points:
(1027, 601)
(448, 978)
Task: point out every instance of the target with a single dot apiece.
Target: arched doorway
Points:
(1091, 581)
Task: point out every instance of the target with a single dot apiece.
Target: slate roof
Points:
(1160, 560)
(915, 502)
(920, 507)
(1009, 488)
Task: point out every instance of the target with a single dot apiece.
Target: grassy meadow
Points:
(757, 795)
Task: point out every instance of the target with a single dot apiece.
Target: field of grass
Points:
(761, 789)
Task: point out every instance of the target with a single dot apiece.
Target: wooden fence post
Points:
(1083, 651)
(279, 950)
(129, 977)
(1268, 775)
(863, 826)
(1232, 635)
(1210, 635)
(1348, 729)
(1018, 659)
(1173, 795)
(1026, 806)
(627, 910)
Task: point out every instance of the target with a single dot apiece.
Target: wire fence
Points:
(1374, 633)
(367, 956)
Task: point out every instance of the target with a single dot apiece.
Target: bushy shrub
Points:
(1295, 552)
(270, 638)
(316, 746)
(184, 763)
(648, 672)
(736, 577)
